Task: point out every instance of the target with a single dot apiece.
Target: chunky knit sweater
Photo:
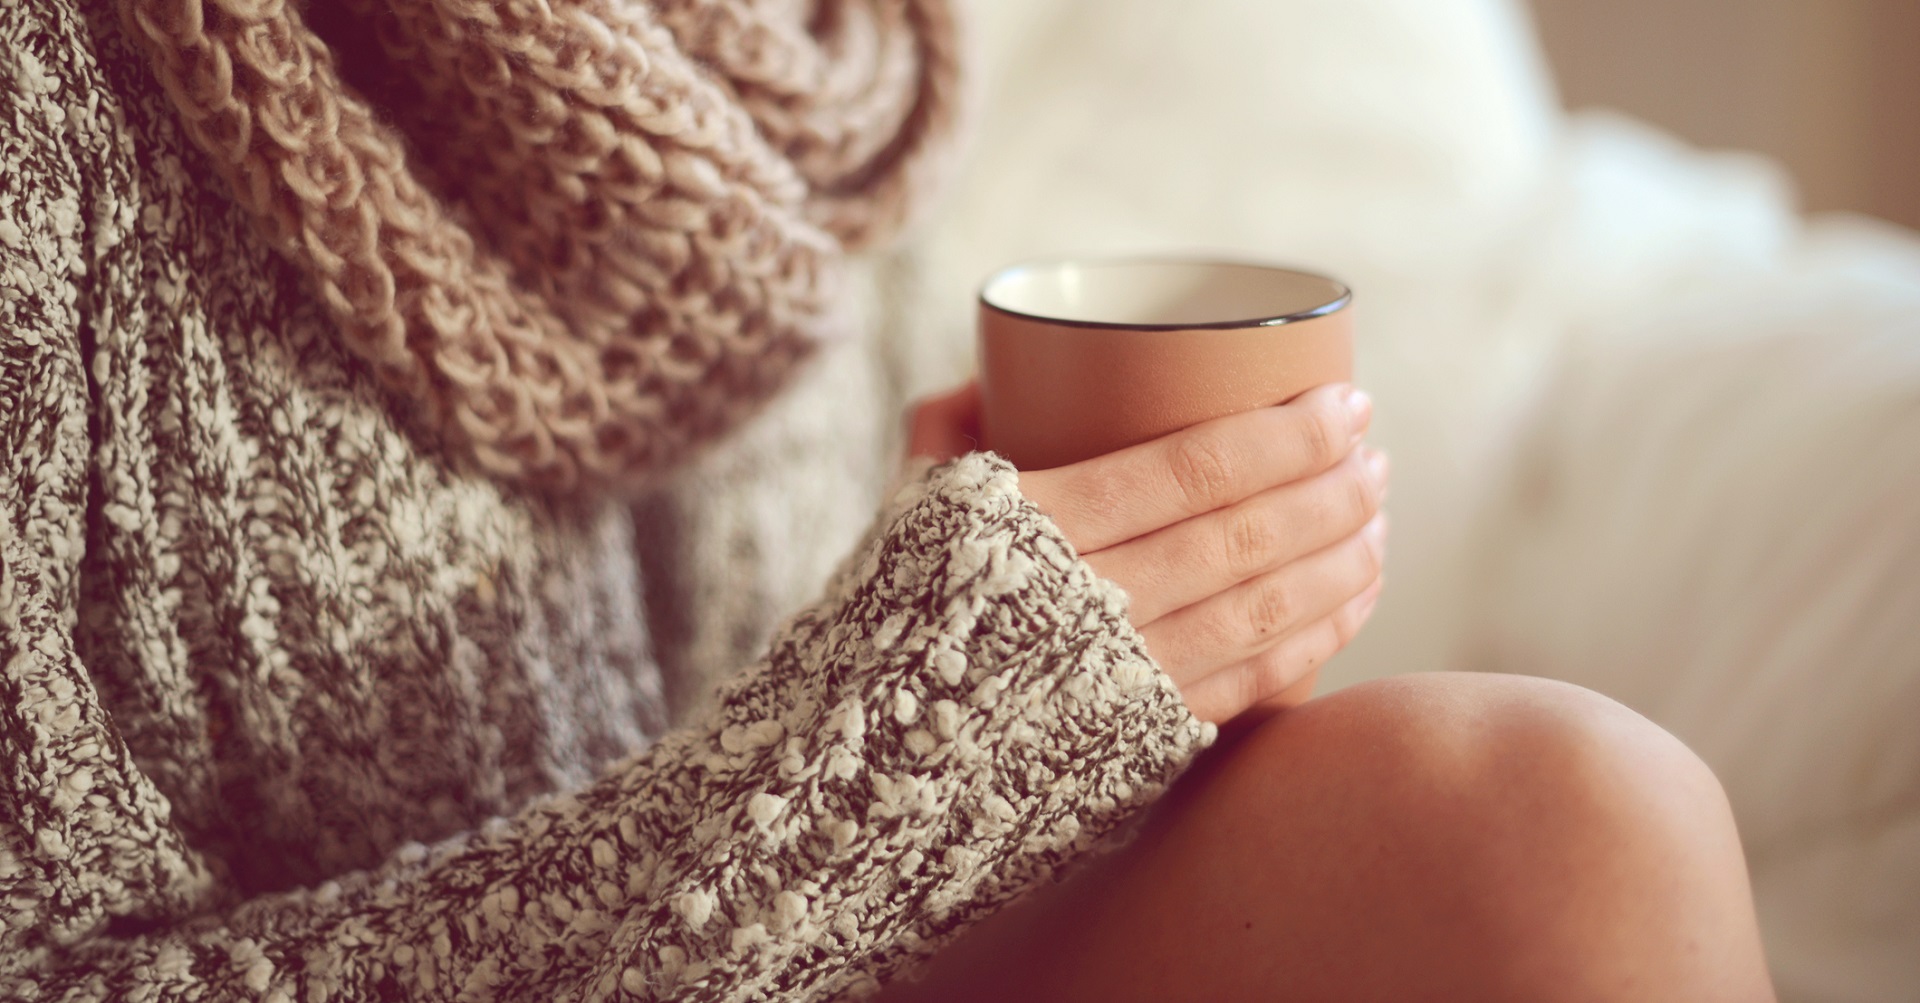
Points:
(294, 706)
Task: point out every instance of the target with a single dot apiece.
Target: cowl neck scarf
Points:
(581, 236)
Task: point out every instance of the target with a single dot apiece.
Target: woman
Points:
(336, 341)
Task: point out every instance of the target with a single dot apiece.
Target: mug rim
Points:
(1339, 302)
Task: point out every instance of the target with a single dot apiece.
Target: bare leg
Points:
(1434, 837)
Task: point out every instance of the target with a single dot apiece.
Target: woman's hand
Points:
(1251, 545)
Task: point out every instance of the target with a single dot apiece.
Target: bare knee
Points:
(1520, 828)
(1471, 743)
(1432, 837)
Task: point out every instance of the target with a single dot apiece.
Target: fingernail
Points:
(1376, 530)
(1359, 408)
(1377, 466)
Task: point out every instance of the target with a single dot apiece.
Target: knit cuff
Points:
(967, 711)
(1010, 690)
(967, 569)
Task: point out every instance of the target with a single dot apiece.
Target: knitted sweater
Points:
(294, 707)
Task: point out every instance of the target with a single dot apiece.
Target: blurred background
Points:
(1830, 87)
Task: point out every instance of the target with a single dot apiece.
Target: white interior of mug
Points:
(1162, 293)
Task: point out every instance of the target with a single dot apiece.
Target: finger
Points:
(1207, 554)
(1110, 499)
(946, 426)
(1242, 622)
(1282, 675)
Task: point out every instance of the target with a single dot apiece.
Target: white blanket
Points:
(1653, 432)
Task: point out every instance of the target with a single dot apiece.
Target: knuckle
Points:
(1272, 672)
(1251, 539)
(1320, 646)
(1362, 495)
(1250, 682)
(1346, 627)
(1088, 501)
(1270, 608)
(1202, 467)
(1339, 503)
(1322, 435)
(1099, 497)
(1372, 561)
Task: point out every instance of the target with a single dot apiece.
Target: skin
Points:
(1251, 545)
(1428, 837)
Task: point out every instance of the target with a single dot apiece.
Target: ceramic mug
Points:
(1081, 357)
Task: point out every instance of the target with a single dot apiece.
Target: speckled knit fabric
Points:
(582, 236)
(292, 708)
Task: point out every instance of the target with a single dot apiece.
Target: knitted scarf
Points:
(583, 235)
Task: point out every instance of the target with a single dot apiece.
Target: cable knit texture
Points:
(585, 235)
(294, 709)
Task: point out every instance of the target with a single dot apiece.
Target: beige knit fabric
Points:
(584, 234)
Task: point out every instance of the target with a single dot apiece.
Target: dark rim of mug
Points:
(1345, 297)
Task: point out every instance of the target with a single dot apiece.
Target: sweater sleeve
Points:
(965, 711)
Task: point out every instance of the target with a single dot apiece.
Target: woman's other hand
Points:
(1251, 545)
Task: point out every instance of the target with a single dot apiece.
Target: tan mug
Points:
(1082, 357)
